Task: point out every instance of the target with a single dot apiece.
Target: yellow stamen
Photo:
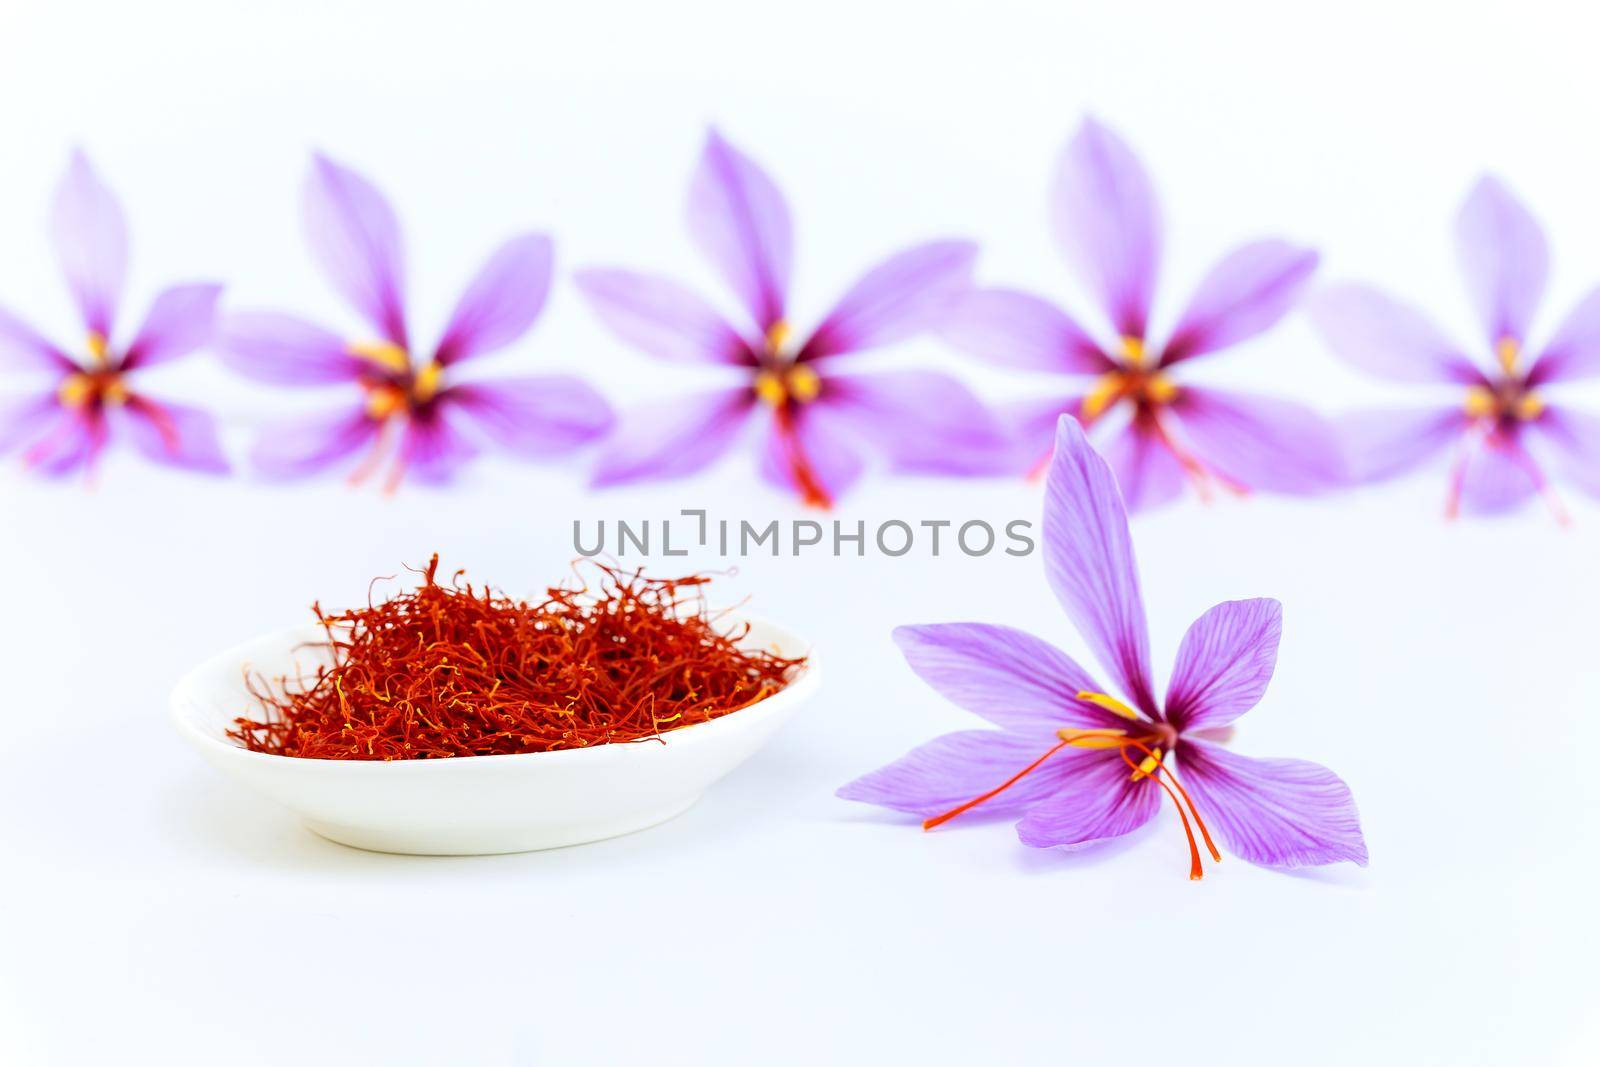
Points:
(1508, 350)
(1092, 738)
(1107, 388)
(426, 385)
(113, 392)
(1480, 403)
(803, 383)
(75, 391)
(1148, 765)
(385, 354)
(1529, 407)
(769, 388)
(385, 400)
(1110, 703)
(1159, 389)
(1133, 349)
(777, 335)
(99, 347)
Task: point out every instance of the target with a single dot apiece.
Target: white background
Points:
(153, 912)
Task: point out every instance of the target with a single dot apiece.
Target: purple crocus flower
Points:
(91, 401)
(1504, 431)
(820, 422)
(1083, 765)
(1108, 224)
(412, 408)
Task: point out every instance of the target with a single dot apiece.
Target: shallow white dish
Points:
(480, 804)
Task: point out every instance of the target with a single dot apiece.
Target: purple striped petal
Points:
(739, 221)
(314, 444)
(1108, 223)
(23, 418)
(172, 434)
(1244, 295)
(1089, 562)
(91, 238)
(24, 348)
(1375, 333)
(1014, 329)
(921, 421)
(1572, 439)
(1224, 664)
(182, 319)
(1383, 444)
(355, 236)
(951, 770)
(899, 298)
(1009, 677)
(1261, 443)
(535, 417)
(661, 317)
(1574, 352)
(284, 350)
(1504, 259)
(502, 302)
(675, 439)
(433, 448)
(1273, 812)
(1495, 476)
(1147, 472)
(1097, 799)
(815, 455)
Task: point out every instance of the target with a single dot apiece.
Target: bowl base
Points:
(452, 841)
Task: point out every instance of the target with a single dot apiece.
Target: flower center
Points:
(92, 389)
(399, 385)
(1151, 766)
(1135, 381)
(1507, 400)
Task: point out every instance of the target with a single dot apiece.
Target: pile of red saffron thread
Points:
(453, 670)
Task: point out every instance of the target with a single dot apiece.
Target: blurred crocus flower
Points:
(91, 400)
(1108, 224)
(1503, 430)
(1083, 765)
(412, 409)
(820, 423)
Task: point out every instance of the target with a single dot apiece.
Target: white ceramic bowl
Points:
(479, 804)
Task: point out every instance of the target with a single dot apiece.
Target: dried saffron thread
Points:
(454, 670)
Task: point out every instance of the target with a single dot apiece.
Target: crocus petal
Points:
(1572, 439)
(73, 441)
(24, 348)
(24, 418)
(1089, 562)
(738, 219)
(284, 350)
(814, 453)
(1097, 798)
(1382, 444)
(1382, 336)
(899, 298)
(1108, 223)
(951, 770)
(1224, 664)
(661, 317)
(1148, 473)
(1258, 442)
(1010, 677)
(312, 445)
(673, 440)
(501, 302)
(1032, 426)
(1273, 812)
(172, 434)
(181, 320)
(356, 237)
(91, 238)
(433, 449)
(1504, 258)
(535, 417)
(1019, 330)
(1574, 351)
(921, 421)
(1244, 295)
(1496, 476)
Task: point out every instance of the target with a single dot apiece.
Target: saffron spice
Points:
(452, 670)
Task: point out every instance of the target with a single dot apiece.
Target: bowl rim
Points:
(799, 689)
